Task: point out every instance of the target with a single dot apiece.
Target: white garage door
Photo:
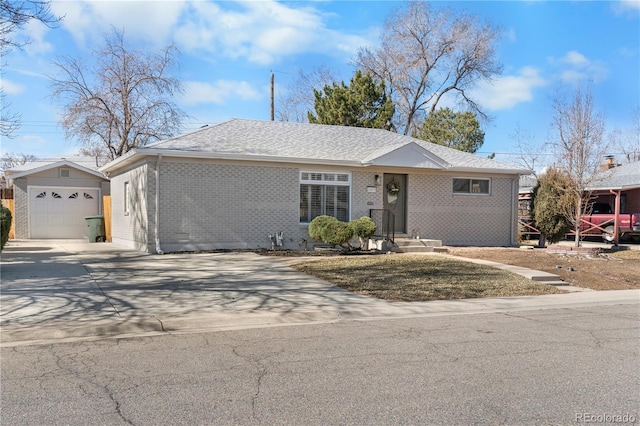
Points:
(60, 212)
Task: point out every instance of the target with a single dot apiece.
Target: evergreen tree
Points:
(361, 104)
(552, 199)
(458, 130)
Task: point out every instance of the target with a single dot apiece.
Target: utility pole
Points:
(272, 98)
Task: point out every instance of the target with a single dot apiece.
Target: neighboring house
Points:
(612, 179)
(624, 179)
(525, 193)
(235, 184)
(53, 196)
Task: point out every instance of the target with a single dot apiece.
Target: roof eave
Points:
(615, 188)
(491, 170)
(62, 163)
(122, 161)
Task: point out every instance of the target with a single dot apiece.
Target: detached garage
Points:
(52, 197)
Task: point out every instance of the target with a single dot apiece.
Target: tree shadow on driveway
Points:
(76, 283)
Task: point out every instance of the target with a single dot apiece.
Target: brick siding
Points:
(435, 212)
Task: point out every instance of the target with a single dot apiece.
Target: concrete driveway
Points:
(67, 285)
(54, 289)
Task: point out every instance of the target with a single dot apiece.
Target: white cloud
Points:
(261, 31)
(574, 67)
(36, 32)
(625, 6)
(575, 58)
(147, 21)
(197, 93)
(11, 88)
(506, 92)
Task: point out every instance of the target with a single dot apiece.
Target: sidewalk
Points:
(54, 291)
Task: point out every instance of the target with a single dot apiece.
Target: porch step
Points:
(413, 245)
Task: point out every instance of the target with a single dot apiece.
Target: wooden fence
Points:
(11, 206)
(106, 208)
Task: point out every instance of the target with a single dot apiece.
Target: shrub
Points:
(363, 228)
(336, 233)
(553, 202)
(5, 225)
(317, 225)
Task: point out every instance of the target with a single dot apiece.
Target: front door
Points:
(395, 198)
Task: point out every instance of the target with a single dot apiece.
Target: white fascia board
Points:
(615, 188)
(491, 171)
(63, 163)
(122, 161)
(119, 162)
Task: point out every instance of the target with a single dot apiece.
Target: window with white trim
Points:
(324, 193)
(127, 194)
(471, 186)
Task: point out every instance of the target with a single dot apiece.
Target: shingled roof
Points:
(626, 176)
(316, 144)
(85, 164)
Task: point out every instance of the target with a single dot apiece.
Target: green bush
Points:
(553, 204)
(5, 225)
(363, 228)
(336, 233)
(330, 230)
(317, 225)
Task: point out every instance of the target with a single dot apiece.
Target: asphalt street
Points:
(556, 366)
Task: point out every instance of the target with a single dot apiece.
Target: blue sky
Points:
(229, 49)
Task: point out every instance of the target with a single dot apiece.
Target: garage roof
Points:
(85, 164)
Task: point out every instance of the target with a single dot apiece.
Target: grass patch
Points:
(625, 254)
(420, 278)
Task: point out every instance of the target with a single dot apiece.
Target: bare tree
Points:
(14, 15)
(530, 152)
(627, 141)
(11, 160)
(429, 53)
(300, 99)
(123, 101)
(579, 147)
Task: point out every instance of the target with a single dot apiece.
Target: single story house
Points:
(52, 197)
(622, 180)
(238, 183)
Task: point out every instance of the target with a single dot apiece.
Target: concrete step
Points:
(417, 242)
(413, 245)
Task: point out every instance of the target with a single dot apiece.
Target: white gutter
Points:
(135, 154)
(157, 227)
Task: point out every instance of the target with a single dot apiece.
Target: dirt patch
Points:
(600, 271)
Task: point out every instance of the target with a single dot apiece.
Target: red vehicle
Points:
(601, 222)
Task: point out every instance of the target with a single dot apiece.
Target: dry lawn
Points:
(608, 271)
(419, 277)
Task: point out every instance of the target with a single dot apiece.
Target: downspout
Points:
(157, 227)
